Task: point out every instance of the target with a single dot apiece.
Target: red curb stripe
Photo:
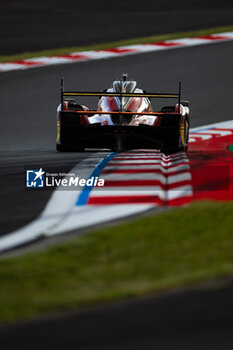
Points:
(184, 200)
(125, 200)
(132, 183)
(142, 151)
(119, 50)
(73, 57)
(144, 183)
(165, 160)
(165, 44)
(151, 163)
(146, 171)
(210, 37)
(28, 63)
(177, 185)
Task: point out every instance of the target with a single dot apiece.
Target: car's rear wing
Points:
(121, 94)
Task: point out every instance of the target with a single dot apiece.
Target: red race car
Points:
(123, 120)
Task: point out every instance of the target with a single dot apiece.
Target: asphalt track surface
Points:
(188, 320)
(29, 99)
(32, 25)
(28, 108)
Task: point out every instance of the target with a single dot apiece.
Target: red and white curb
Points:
(136, 181)
(116, 52)
(144, 176)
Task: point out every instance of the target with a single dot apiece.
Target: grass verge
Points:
(110, 45)
(175, 249)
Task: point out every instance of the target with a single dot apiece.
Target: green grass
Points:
(143, 40)
(177, 248)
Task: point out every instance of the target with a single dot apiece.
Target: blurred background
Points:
(30, 25)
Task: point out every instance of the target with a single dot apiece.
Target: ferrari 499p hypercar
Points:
(123, 120)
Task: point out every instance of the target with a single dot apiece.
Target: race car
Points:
(123, 120)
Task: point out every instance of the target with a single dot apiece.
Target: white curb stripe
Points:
(155, 167)
(148, 176)
(216, 132)
(140, 191)
(111, 53)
